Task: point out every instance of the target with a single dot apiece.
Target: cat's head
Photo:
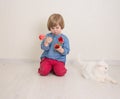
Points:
(102, 66)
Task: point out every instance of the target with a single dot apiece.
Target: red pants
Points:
(47, 65)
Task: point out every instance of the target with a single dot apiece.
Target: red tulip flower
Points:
(56, 46)
(60, 41)
(42, 36)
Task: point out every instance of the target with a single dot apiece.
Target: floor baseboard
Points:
(110, 62)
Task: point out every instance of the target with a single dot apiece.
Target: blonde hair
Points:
(54, 20)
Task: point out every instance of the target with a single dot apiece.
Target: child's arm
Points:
(45, 43)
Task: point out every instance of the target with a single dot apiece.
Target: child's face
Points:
(56, 30)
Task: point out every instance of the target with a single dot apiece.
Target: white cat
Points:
(96, 70)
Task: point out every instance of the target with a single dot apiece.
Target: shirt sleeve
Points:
(43, 47)
(66, 46)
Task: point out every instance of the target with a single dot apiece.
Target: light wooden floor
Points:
(20, 80)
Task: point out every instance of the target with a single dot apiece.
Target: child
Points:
(55, 46)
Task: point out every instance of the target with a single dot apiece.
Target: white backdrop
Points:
(93, 27)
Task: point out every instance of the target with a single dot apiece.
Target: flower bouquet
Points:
(60, 42)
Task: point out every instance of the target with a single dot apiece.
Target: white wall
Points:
(93, 27)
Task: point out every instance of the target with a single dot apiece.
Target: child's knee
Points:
(60, 72)
(43, 73)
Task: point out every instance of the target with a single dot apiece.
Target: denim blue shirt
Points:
(50, 51)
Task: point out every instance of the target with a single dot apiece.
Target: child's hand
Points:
(60, 49)
(48, 40)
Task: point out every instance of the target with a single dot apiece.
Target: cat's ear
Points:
(101, 62)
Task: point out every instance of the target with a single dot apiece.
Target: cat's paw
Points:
(114, 82)
(101, 80)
